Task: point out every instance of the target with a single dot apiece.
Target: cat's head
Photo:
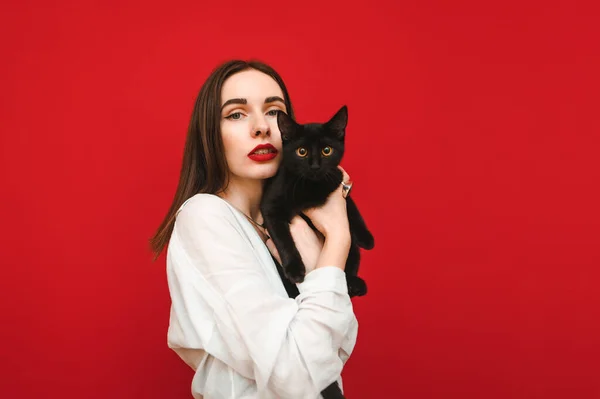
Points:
(313, 150)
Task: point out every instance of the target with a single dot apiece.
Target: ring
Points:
(346, 187)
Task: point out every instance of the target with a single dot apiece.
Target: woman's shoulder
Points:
(204, 205)
(207, 218)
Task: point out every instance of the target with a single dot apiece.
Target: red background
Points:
(472, 139)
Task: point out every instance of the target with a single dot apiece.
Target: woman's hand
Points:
(309, 243)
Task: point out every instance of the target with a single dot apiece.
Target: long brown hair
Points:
(204, 168)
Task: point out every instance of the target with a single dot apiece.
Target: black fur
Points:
(306, 181)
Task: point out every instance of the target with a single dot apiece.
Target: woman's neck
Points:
(245, 195)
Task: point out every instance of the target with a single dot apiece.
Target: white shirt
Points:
(232, 321)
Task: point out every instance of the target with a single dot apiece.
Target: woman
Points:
(231, 319)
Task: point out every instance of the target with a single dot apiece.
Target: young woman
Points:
(231, 318)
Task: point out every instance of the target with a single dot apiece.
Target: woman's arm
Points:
(226, 305)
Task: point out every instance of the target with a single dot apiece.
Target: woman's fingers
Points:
(346, 176)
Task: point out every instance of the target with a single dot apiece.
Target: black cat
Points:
(307, 175)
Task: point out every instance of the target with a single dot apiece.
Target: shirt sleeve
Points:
(226, 305)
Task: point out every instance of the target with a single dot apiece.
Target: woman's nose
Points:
(261, 127)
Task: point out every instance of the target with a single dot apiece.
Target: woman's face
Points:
(250, 100)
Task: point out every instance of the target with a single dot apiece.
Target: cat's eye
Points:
(301, 152)
(327, 151)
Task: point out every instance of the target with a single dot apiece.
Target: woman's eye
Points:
(234, 116)
(327, 151)
(273, 112)
(302, 152)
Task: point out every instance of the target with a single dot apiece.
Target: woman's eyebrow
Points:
(268, 100)
(273, 99)
(234, 101)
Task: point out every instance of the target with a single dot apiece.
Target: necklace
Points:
(262, 226)
(254, 222)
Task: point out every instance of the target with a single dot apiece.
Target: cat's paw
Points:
(356, 286)
(365, 240)
(295, 271)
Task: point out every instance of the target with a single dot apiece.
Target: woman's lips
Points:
(262, 153)
(262, 157)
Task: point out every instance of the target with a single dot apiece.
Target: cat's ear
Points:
(287, 126)
(337, 123)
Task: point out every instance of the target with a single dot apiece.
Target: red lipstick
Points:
(262, 153)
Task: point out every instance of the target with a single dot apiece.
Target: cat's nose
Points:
(314, 166)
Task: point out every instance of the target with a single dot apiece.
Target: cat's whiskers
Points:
(330, 177)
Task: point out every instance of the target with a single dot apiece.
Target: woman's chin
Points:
(266, 173)
(260, 172)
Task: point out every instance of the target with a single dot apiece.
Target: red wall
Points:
(472, 139)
